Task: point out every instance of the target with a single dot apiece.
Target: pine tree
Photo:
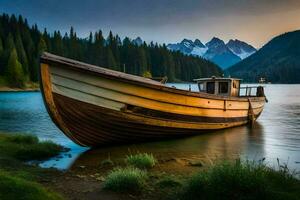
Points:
(110, 60)
(1, 47)
(2, 60)
(9, 43)
(21, 53)
(98, 50)
(57, 46)
(14, 72)
(42, 46)
(142, 61)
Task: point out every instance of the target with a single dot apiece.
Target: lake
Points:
(276, 134)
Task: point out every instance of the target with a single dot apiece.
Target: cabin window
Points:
(210, 87)
(201, 86)
(223, 87)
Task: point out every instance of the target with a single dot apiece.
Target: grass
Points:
(27, 147)
(141, 160)
(169, 181)
(242, 181)
(126, 180)
(14, 187)
(17, 179)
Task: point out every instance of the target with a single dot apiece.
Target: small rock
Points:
(82, 166)
(195, 163)
(80, 176)
(100, 178)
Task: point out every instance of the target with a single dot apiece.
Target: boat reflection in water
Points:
(219, 145)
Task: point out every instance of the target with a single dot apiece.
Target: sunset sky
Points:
(165, 21)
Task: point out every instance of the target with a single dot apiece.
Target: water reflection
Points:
(219, 145)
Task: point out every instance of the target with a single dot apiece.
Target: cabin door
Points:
(210, 87)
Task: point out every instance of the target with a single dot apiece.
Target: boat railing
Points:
(250, 91)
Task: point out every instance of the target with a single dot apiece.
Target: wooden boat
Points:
(95, 106)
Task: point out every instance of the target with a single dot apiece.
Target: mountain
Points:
(220, 54)
(189, 47)
(240, 48)
(137, 41)
(278, 61)
(215, 50)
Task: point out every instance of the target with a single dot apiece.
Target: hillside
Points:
(21, 45)
(278, 61)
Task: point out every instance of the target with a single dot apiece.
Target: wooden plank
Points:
(88, 90)
(123, 77)
(94, 126)
(135, 90)
(46, 88)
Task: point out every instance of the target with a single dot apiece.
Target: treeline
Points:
(21, 46)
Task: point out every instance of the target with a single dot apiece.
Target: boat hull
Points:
(96, 108)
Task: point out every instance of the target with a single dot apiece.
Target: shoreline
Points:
(10, 89)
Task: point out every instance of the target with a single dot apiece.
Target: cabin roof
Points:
(217, 79)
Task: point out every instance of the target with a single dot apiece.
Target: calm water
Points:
(276, 134)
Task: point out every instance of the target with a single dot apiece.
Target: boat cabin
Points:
(219, 86)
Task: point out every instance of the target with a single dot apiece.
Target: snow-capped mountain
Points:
(240, 48)
(189, 47)
(216, 50)
(220, 54)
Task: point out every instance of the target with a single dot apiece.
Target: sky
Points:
(164, 21)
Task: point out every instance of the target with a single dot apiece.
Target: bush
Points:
(241, 181)
(141, 161)
(27, 147)
(126, 180)
(17, 188)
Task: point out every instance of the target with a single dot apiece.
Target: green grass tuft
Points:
(241, 181)
(126, 180)
(12, 187)
(141, 160)
(27, 147)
